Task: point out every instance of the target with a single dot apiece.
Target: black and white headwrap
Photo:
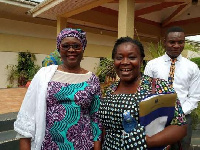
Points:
(69, 32)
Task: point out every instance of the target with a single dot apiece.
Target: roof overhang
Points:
(103, 14)
(20, 3)
(50, 9)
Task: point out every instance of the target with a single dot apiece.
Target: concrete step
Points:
(195, 141)
(8, 140)
(198, 127)
(194, 148)
(7, 121)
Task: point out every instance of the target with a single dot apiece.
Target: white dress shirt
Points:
(186, 79)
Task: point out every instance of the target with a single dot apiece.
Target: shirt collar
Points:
(167, 58)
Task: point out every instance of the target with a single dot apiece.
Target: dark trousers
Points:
(185, 142)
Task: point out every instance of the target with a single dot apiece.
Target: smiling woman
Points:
(127, 63)
(62, 102)
(126, 94)
(71, 53)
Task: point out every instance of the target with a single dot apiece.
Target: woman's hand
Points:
(148, 141)
(168, 136)
(25, 144)
(97, 145)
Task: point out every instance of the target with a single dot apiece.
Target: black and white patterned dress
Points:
(111, 114)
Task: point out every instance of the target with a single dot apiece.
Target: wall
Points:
(10, 58)
(6, 58)
(192, 54)
(18, 36)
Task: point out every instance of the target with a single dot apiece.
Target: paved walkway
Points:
(11, 99)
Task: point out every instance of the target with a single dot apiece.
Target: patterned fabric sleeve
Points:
(111, 88)
(95, 120)
(179, 116)
(52, 59)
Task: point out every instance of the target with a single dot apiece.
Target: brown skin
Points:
(174, 44)
(97, 145)
(169, 135)
(71, 58)
(127, 63)
(25, 144)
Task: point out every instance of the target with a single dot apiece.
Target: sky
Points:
(194, 38)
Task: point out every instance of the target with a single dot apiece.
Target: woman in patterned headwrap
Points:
(60, 108)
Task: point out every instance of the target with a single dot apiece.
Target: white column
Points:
(126, 18)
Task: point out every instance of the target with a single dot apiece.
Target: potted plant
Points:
(106, 73)
(24, 70)
(31, 73)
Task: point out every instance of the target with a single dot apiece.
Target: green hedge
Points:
(196, 113)
(196, 60)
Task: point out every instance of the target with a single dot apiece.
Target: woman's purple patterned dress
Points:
(71, 119)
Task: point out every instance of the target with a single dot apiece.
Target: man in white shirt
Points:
(186, 77)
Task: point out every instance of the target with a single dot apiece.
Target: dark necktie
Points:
(171, 72)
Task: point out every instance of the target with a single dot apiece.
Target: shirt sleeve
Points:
(148, 70)
(193, 97)
(94, 112)
(179, 116)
